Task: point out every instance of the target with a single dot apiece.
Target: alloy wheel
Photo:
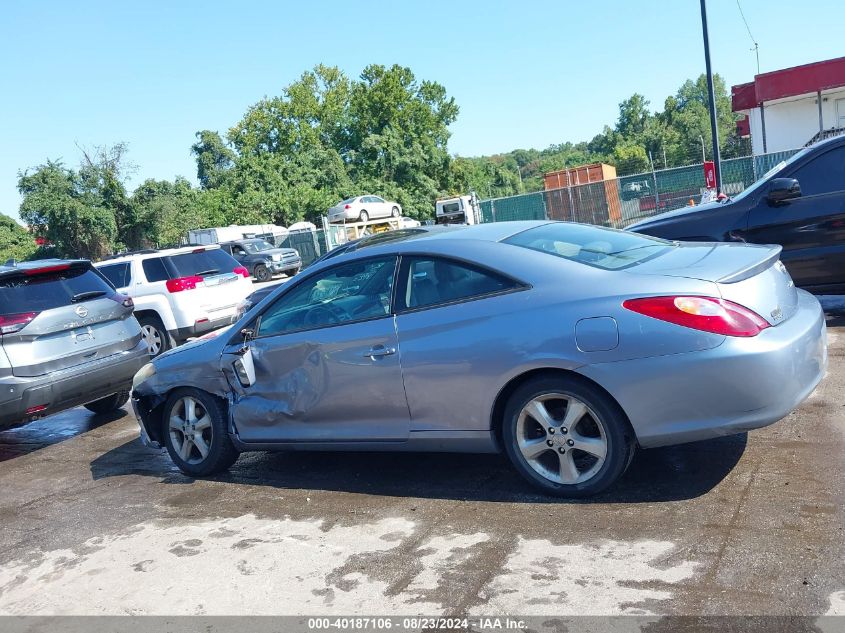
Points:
(561, 438)
(152, 337)
(190, 430)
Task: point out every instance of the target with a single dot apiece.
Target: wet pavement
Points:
(94, 523)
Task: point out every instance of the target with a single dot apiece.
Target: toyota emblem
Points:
(82, 311)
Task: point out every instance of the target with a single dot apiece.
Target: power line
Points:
(756, 48)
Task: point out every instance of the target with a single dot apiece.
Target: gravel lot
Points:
(94, 523)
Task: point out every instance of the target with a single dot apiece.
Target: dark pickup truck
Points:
(799, 204)
(262, 259)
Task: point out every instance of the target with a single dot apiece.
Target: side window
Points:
(154, 270)
(434, 281)
(376, 199)
(823, 174)
(355, 291)
(117, 274)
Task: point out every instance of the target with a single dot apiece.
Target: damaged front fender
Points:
(193, 365)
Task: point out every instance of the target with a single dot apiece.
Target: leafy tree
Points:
(214, 158)
(15, 241)
(68, 210)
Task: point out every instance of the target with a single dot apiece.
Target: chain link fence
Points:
(624, 200)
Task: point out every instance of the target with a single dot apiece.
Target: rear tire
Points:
(364, 217)
(566, 436)
(394, 213)
(109, 403)
(156, 337)
(196, 433)
(262, 273)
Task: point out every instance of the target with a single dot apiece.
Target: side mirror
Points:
(782, 189)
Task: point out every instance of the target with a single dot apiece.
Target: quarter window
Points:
(355, 291)
(435, 281)
(154, 270)
(117, 274)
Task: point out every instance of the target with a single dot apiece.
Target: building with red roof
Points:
(793, 107)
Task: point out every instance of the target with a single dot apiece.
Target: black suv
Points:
(262, 259)
(799, 204)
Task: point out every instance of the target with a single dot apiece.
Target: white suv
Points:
(179, 292)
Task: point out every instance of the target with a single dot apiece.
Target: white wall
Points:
(791, 123)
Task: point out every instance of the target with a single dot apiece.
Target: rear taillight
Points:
(183, 283)
(123, 300)
(243, 272)
(707, 314)
(348, 206)
(10, 323)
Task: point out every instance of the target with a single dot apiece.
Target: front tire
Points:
(196, 434)
(566, 436)
(262, 273)
(109, 403)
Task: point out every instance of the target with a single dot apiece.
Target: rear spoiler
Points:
(756, 268)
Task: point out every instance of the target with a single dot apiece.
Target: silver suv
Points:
(66, 338)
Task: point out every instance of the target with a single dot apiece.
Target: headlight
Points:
(145, 373)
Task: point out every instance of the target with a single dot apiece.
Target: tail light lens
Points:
(348, 206)
(11, 323)
(123, 300)
(707, 314)
(183, 283)
(243, 272)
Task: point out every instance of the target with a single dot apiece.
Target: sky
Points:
(524, 73)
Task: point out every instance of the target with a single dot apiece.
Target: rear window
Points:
(210, 262)
(33, 292)
(608, 249)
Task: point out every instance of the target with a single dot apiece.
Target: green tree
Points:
(15, 241)
(214, 158)
(62, 207)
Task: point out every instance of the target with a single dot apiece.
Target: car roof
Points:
(148, 254)
(38, 263)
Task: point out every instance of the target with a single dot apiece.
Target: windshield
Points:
(777, 168)
(257, 246)
(602, 248)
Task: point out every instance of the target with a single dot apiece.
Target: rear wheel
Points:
(364, 216)
(262, 273)
(154, 334)
(394, 212)
(109, 403)
(566, 436)
(196, 434)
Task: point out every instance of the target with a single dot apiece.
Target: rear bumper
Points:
(202, 327)
(743, 384)
(68, 388)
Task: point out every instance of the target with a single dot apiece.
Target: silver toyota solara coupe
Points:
(565, 345)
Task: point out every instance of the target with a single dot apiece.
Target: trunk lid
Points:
(72, 318)
(749, 275)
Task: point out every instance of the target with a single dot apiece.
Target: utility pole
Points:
(703, 155)
(712, 98)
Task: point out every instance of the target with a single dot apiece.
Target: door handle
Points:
(378, 351)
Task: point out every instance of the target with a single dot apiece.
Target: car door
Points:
(380, 207)
(810, 228)
(326, 361)
(454, 320)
